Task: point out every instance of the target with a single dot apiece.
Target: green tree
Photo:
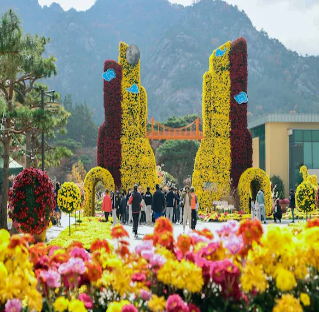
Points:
(22, 64)
(178, 122)
(178, 158)
(81, 126)
(276, 180)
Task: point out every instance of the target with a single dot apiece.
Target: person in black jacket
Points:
(176, 216)
(135, 201)
(117, 204)
(277, 212)
(170, 197)
(123, 208)
(292, 204)
(158, 203)
(148, 206)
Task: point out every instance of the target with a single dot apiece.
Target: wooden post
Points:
(152, 131)
(197, 127)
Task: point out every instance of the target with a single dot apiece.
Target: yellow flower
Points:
(4, 236)
(253, 277)
(285, 280)
(305, 300)
(77, 306)
(121, 282)
(61, 304)
(156, 304)
(287, 304)
(116, 306)
(35, 300)
(3, 272)
(166, 253)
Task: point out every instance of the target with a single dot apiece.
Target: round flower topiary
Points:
(306, 196)
(31, 201)
(69, 197)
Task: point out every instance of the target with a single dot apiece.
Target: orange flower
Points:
(59, 258)
(163, 224)
(94, 271)
(205, 232)
(184, 243)
(312, 223)
(118, 231)
(164, 239)
(100, 244)
(148, 237)
(37, 251)
(123, 251)
(17, 240)
(74, 244)
(251, 230)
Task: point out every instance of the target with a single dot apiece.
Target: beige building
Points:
(282, 143)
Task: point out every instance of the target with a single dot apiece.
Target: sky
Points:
(293, 22)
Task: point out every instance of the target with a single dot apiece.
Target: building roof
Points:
(282, 118)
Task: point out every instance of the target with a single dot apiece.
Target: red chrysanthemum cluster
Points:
(312, 223)
(163, 233)
(109, 154)
(240, 137)
(31, 201)
(251, 230)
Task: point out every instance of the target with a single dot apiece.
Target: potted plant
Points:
(31, 202)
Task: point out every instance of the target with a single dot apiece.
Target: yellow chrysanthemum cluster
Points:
(306, 191)
(86, 233)
(97, 174)
(69, 197)
(183, 275)
(138, 160)
(244, 185)
(17, 280)
(213, 162)
(287, 264)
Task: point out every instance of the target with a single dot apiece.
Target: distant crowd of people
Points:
(257, 207)
(137, 207)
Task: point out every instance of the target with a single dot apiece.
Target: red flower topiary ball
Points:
(31, 201)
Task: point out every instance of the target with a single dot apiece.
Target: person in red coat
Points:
(107, 205)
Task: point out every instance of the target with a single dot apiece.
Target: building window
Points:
(259, 132)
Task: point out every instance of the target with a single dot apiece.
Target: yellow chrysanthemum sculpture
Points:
(138, 164)
(306, 191)
(211, 177)
(260, 177)
(95, 175)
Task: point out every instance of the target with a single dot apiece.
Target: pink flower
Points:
(13, 305)
(52, 278)
(174, 302)
(138, 277)
(87, 300)
(198, 238)
(147, 254)
(158, 260)
(53, 249)
(229, 228)
(73, 266)
(81, 253)
(233, 243)
(193, 308)
(145, 245)
(129, 308)
(146, 295)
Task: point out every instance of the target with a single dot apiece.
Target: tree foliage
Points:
(178, 158)
(276, 180)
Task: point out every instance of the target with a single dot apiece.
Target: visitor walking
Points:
(187, 199)
(176, 217)
(107, 205)
(123, 208)
(142, 219)
(129, 207)
(277, 212)
(292, 204)
(261, 204)
(148, 206)
(181, 206)
(135, 202)
(170, 203)
(193, 207)
(158, 203)
(253, 210)
(117, 204)
(57, 211)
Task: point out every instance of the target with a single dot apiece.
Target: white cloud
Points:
(294, 22)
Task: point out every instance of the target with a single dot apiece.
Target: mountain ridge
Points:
(175, 44)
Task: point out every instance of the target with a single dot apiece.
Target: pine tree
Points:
(22, 64)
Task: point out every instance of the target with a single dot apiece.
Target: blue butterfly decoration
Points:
(109, 75)
(241, 98)
(133, 89)
(220, 52)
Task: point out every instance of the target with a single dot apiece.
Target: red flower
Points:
(193, 308)
(163, 224)
(100, 244)
(251, 230)
(118, 231)
(312, 223)
(94, 271)
(138, 277)
(164, 239)
(184, 243)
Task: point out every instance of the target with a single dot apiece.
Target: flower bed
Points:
(222, 217)
(89, 230)
(240, 269)
(300, 215)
